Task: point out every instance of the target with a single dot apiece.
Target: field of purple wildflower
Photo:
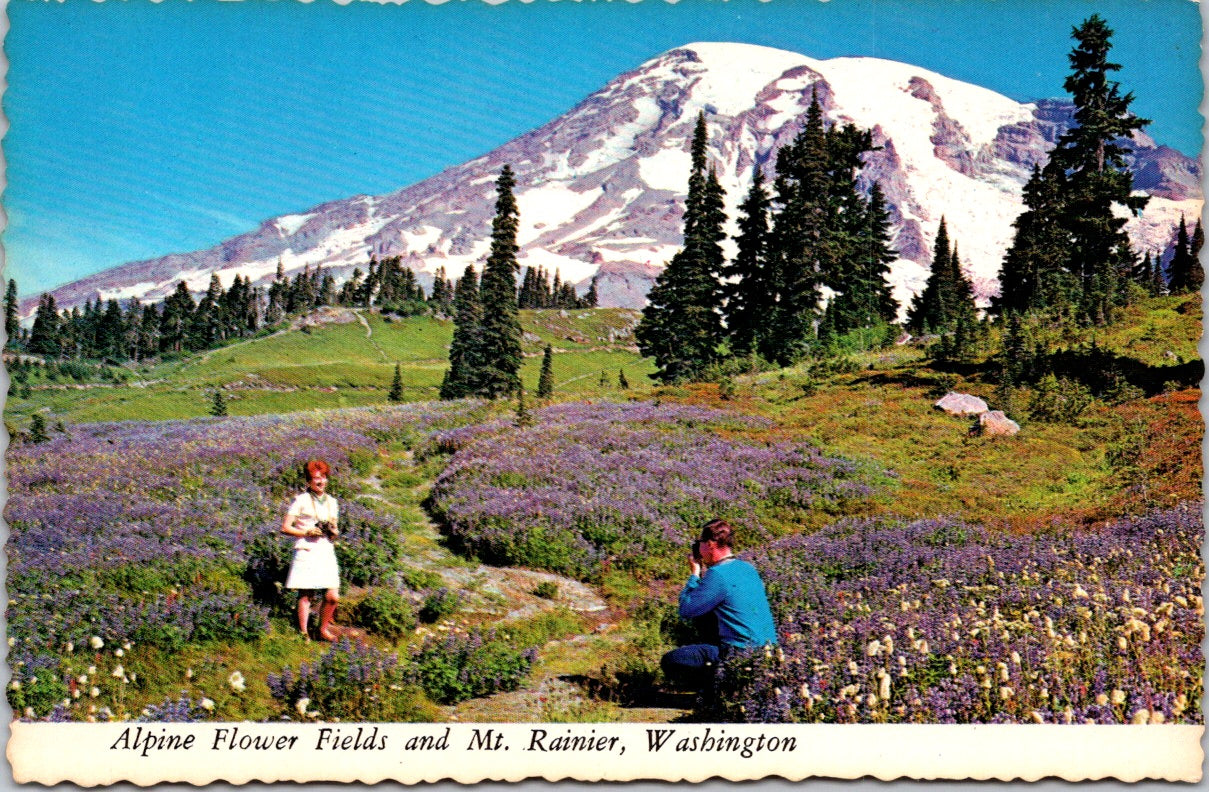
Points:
(589, 487)
(936, 621)
(137, 533)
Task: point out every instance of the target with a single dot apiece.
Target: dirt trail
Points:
(369, 335)
(503, 594)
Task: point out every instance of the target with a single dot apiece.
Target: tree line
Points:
(134, 331)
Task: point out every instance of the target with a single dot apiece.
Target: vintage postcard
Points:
(595, 391)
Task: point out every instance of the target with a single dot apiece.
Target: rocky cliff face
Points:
(601, 189)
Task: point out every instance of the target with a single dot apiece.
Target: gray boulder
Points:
(961, 404)
(995, 424)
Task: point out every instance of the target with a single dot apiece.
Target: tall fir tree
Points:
(798, 239)
(927, 313)
(750, 293)
(545, 381)
(863, 297)
(12, 326)
(396, 386)
(1036, 274)
(465, 350)
(1092, 156)
(499, 374)
(44, 336)
(1182, 275)
(218, 404)
(681, 326)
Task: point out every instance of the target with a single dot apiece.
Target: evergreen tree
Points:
(37, 429)
(523, 418)
(12, 326)
(622, 382)
(545, 381)
(1198, 271)
(1092, 156)
(1180, 270)
(750, 293)
(132, 327)
(176, 318)
(590, 298)
(111, 332)
(499, 374)
(863, 297)
(681, 327)
(604, 379)
(1036, 272)
(149, 332)
(44, 336)
(798, 238)
(396, 386)
(442, 292)
(465, 351)
(928, 312)
(218, 405)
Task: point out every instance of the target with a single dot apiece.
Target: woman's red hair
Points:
(315, 466)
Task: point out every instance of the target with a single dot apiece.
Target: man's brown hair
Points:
(719, 532)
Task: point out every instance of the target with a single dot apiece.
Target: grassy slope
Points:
(344, 364)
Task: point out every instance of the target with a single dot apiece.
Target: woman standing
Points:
(313, 517)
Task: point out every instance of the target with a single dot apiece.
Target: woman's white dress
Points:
(314, 565)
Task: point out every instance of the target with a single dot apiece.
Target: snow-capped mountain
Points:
(601, 188)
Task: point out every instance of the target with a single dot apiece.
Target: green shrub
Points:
(352, 682)
(547, 589)
(269, 557)
(385, 612)
(1059, 400)
(420, 579)
(439, 604)
(39, 689)
(464, 666)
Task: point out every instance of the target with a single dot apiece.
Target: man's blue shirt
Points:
(732, 589)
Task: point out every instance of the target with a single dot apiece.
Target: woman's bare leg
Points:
(326, 614)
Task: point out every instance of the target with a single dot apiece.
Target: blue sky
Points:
(141, 129)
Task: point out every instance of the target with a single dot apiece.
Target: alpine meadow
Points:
(930, 350)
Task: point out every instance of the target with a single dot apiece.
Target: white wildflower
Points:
(207, 705)
(92, 670)
(1118, 697)
(1141, 717)
(1080, 593)
(1006, 692)
(883, 688)
(1015, 658)
(16, 684)
(1101, 699)
(188, 673)
(70, 647)
(236, 681)
(95, 642)
(118, 672)
(301, 706)
(119, 652)
(1157, 717)
(873, 648)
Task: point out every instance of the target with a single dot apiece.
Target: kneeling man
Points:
(731, 590)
